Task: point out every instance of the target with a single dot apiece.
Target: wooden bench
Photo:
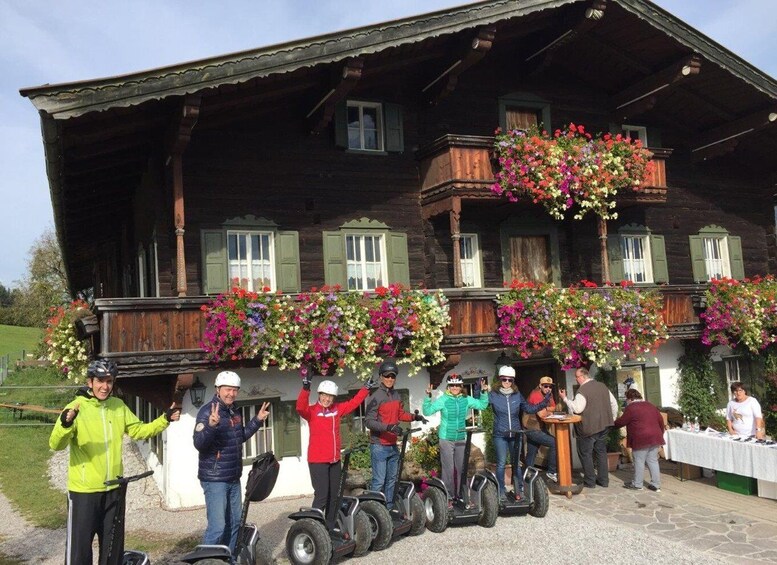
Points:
(20, 407)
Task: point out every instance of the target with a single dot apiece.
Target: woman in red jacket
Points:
(324, 444)
(644, 435)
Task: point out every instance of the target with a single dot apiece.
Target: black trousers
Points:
(89, 514)
(326, 482)
(593, 456)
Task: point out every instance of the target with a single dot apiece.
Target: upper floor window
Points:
(365, 126)
(470, 260)
(522, 110)
(635, 132)
(251, 259)
(365, 261)
(716, 254)
(637, 255)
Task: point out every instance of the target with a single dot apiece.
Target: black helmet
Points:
(102, 368)
(389, 366)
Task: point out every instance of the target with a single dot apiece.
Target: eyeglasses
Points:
(389, 376)
(546, 386)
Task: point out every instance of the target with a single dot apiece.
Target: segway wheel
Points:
(490, 506)
(263, 553)
(381, 524)
(417, 516)
(363, 534)
(308, 543)
(436, 509)
(541, 501)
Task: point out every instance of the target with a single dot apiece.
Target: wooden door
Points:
(530, 258)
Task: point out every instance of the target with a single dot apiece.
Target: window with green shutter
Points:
(365, 254)
(250, 253)
(280, 432)
(369, 127)
(638, 256)
(716, 254)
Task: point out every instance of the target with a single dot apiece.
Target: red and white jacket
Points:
(324, 444)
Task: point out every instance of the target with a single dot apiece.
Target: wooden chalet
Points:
(365, 157)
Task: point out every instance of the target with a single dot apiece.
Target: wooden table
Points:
(564, 456)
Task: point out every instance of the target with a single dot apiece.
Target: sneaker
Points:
(552, 476)
(631, 486)
(654, 488)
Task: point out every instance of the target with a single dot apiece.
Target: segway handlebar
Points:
(473, 429)
(125, 480)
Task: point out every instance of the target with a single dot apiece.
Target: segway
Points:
(250, 550)
(130, 557)
(477, 502)
(310, 542)
(536, 498)
(408, 513)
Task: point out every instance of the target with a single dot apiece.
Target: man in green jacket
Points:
(93, 425)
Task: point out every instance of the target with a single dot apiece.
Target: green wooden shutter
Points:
(394, 135)
(697, 258)
(735, 257)
(722, 396)
(654, 137)
(398, 262)
(334, 259)
(287, 261)
(214, 261)
(287, 430)
(652, 390)
(341, 125)
(658, 254)
(615, 257)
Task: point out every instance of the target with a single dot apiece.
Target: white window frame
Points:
(471, 275)
(142, 272)
(474, 416)
(266, 433)
(248, 260)
(379, 129)
(711, 263)
(635, 132)
(362, 264)
(631, 265)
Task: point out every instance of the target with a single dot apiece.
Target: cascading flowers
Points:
(569, 168)
(581, 325)
(68, 353)
(326, 330)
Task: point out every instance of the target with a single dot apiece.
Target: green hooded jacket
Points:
(95, 440)
(454, 413)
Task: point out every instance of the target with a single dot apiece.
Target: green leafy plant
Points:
(769, 400)
(425, 452)
(698, 388)
(65, 350)
(360, 443)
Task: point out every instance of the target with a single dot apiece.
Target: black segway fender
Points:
(435, 482)
(481, 478)
(377, 496)
(529, 477)
(202, 552)
(314, 513)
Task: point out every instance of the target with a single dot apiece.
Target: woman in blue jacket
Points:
(507, 404)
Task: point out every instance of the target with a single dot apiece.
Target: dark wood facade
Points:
(192, 156)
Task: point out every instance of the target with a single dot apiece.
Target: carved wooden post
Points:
(455, 218)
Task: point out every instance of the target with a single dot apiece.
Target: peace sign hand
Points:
(263, 412)
(214, 418)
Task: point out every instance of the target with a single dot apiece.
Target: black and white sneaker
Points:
(552, 476)
(631, 486)
(654, 488)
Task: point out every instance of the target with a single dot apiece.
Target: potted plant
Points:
(614, 441)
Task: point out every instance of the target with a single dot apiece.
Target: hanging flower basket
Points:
(65, 349)
(584, 325)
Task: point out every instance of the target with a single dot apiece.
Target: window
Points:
(365, 126)
(251, 264)
(716, 254)
(470, 260)
(530, 250)
(371, 127)
(637, 255)
(636, 259)
(635, 132)
(262, 440)
(521, 110)
(474, 417)
(365, 261)
(365, 254)
(251, 253)
(280, 432)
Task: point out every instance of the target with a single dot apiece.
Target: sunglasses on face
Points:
(451, 386)
(546, 386)
(506, 380)
(389, 376)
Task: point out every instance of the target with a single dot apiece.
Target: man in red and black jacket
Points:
(384, 412)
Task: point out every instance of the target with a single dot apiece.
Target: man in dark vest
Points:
(598, 408)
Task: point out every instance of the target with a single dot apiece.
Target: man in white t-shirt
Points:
(743, 413)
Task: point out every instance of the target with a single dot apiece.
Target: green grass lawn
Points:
(14, 339)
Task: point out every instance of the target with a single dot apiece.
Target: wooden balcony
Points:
(161, 336)
(462, 166)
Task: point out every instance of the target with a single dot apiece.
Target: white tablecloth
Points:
(722, 454)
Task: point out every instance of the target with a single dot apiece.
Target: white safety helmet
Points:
(506, 371)
(328, 387)
(227, 378)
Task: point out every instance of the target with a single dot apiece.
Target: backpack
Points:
(262, 477)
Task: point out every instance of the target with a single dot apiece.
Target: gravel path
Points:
(567, 535)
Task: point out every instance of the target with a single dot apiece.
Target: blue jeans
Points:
(223, 509)
(385, 459)
(503, 446)
(536, 439)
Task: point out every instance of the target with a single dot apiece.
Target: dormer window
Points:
(635, 132)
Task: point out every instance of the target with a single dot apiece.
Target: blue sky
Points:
(66, 40)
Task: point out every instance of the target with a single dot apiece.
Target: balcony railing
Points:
(161, 336)
(462, 165)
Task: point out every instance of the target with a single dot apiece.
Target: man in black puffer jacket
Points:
(219, 435)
